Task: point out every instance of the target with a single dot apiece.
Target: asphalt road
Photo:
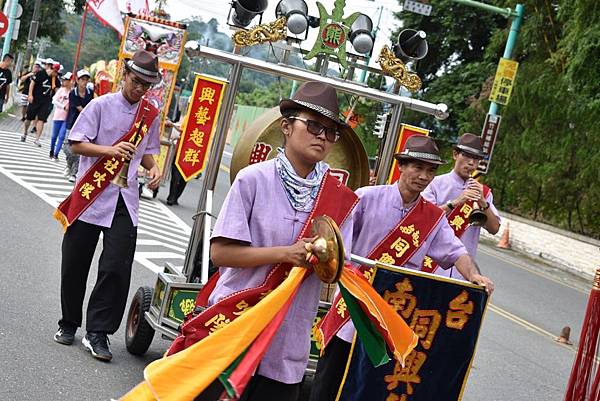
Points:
(516, 358)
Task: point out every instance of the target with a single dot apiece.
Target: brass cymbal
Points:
(328, 249)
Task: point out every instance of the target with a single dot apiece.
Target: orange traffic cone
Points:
(504, 242)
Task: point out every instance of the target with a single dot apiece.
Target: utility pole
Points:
(12, 12)
(33, 28)
(517, 16)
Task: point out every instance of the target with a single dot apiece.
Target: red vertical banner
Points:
(406, 131)
(200, 125)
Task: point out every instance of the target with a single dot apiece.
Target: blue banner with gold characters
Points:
(446, 315)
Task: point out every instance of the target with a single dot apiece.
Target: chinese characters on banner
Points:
(488, 137)
(200, 125)
(504, 81)
(406, 131)
(446, 316)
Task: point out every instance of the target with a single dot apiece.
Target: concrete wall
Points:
(566, 250)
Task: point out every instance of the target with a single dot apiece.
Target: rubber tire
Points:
(139, 333)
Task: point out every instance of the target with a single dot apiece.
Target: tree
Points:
(52, 25)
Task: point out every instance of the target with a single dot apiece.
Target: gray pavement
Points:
(516, 358)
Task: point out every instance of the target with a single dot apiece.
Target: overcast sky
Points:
(207, 9)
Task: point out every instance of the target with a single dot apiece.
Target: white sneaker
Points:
(38, 144)
(66, 172)
(72, 178)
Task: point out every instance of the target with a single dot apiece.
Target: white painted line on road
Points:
(142, 231)
(153, 242)
(226, 153)
(157, 222)
(143, 259)
(161, 233)
(174, 231)
(65, 186)
(47, 179)
(51, 201)
(18, 167)
(35, 174)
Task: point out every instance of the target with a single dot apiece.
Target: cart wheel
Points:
(139, 333)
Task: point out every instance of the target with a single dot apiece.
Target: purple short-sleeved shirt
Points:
(440, 191)
(102, 122)
(257, 211)
(379, 210)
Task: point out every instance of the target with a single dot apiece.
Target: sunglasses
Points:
(141, 84)
(316, 128)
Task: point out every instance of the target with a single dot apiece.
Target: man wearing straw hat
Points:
(105, 135)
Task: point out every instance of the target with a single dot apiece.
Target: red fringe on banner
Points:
(584, 383)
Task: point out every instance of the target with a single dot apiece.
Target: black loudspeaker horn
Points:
(361, 35)
(412, 45)
(296, 12)
(244, 11)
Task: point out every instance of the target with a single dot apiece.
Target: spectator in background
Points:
(5, 79)
(24, 82)
(41, 90)
(61, 101)
(79, 97)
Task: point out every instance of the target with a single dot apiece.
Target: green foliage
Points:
(51, 26)
(545, 163)
(100, 42)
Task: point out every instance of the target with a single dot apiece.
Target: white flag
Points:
(108, 12)
(139, 7)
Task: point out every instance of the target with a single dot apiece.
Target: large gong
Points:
(348, 158)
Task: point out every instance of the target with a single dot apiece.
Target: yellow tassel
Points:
(62, 219)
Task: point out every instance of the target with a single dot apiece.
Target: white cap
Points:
(49, 61)
(67, 75)
(39, 62)
(82, 73)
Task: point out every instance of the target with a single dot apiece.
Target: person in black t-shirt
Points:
(41, 89)
(5, 78)
(24, 82)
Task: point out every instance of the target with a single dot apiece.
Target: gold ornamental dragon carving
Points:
(394, 67)
(271, 32)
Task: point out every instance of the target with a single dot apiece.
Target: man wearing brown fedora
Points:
(458, 194)
(262, 232)
(384, 212)
(103, 136)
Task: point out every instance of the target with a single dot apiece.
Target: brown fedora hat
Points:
(422, 148)
(144, 65)
(470, 144)
(315, 96)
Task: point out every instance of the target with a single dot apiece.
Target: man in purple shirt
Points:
(378, 212)
(114, 213)
(258, 227)
(452, 190)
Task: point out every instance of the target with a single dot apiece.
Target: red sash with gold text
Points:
(100, 174)
(334, 200)
(459, 222)
(396, 248)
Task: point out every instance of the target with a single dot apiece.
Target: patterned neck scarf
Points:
(301, 192)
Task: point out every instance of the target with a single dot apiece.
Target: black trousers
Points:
(109, 296)
(177, 184)
(330, 371)
(259, 388)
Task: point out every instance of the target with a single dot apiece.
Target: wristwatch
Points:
(450, 205)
